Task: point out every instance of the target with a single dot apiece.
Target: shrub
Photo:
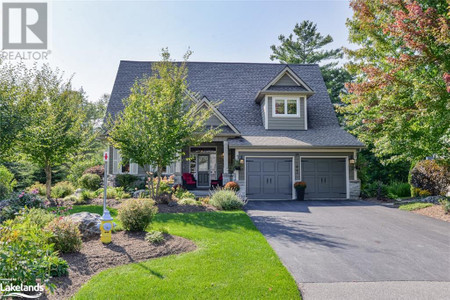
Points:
(113, 193)
(7, 182)
(38, 188)
(232, 185)
(226, 200)
(374, 189)
(62, 189)
(27, 257)
(86, 195)
(71, 198)
(188, 201)
(179, 192)
(98, 170)
(126, 181)
(17, 202)
(204, 200)
(416, 192)
(136, 214)
(398, 189)
(66, 236)
(90, 182)
(35, 216)
(154, 237)
(432, 176)
(445, 205)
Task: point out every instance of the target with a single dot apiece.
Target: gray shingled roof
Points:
(236, 84)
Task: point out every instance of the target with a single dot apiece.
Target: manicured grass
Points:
(232, 261)
(414, 206)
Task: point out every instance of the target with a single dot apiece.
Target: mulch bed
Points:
(435, 211)
(125, 248)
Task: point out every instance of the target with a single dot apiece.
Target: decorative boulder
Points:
(78, 192)
(140, 193)
(432, 199)
(88, 223)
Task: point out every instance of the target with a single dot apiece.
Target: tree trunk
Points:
(48, 182)
(159, 180)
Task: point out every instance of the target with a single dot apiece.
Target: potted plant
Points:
(300, 187)
(237, 165)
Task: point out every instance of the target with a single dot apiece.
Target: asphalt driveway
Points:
(336, 245)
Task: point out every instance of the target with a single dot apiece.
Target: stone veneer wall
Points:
(355, 189)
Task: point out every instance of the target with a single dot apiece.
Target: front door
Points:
(203, 170)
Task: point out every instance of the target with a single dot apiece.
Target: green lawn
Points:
(414, 206)
(233, 261)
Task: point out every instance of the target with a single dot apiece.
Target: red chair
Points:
(218, 182)
(189, 181)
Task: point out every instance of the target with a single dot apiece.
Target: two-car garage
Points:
(273, 177)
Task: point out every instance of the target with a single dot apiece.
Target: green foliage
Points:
(80, 165)
(90, 182)
(62, 189)
(226, 200)
(432, 176)
(66, 236)
(445, 203)
(373, 189)
(7, 182)
(160, 118)
(55, 128)
(35, 216)
(98, 169)
(85, 196)
(371, 168)
(126, 181)
(19, 201)
(398, 190)
(113, 193)
(26, 255)
(399, 100)
(154, 237)
(37, 188)
(72, 198)
(179, 192)
(414, 206)
(136, 214)
(306, 46)
(189, 201)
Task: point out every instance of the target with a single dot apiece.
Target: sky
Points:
(89, 38)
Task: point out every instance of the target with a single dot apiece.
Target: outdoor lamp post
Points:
(106, 224)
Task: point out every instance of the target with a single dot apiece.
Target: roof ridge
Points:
(219, 62)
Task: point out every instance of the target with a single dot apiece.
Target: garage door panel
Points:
(269, 166)
(325, 177)
(269, 178)
(253, 166)
(254, 184)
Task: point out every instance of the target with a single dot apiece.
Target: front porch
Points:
(205, 167)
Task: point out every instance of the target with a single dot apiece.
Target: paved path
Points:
(350, 249)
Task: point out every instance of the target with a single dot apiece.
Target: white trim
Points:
(355, 173)
(196, 161)
(291, 74)
(305, 113)
(266, 112)
(285, 115)
(218, 114)
(236, 157)
(347, 178)
(243, 149)
(265, 156)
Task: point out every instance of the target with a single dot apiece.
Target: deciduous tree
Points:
(399, 101)
(160, 118)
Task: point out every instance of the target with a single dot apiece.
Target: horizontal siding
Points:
(286, 123)
(285, 80)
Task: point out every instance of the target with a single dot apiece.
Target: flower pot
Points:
(300, 194)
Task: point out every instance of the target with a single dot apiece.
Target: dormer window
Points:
(286, 107)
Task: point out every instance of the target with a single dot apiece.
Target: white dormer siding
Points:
(292, 114)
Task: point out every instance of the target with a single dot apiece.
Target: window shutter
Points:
(117, 169)
(134, 168)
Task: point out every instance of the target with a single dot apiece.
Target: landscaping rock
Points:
(3, 204)
(138, 193)
(432, 199)
(88, 224)
(78, 192)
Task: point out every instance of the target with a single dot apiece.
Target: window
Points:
(286, 107)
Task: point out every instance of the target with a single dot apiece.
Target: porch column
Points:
(226, 173)
(178, 171)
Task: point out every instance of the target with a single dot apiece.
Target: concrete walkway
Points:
(357, 250)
